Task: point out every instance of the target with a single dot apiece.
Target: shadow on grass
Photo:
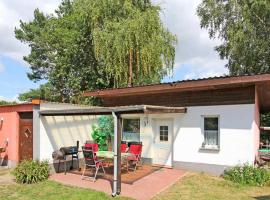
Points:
(267, 197)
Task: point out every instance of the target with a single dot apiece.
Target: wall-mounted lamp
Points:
(6, 141)
(1, 122)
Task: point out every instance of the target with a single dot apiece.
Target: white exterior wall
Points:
(236, 134)
(53, 132)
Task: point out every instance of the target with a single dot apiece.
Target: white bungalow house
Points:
(202, 125)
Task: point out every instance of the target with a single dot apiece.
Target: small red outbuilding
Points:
(16, 133)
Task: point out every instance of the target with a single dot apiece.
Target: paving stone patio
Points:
(142, 189)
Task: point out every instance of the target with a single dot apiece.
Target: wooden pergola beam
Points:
(137, 109)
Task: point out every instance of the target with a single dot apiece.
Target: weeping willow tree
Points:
(130, 40)
(90, 44)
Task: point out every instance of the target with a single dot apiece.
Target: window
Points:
(211, 132)
(163, 133)
(131, 130)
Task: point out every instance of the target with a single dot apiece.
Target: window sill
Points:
(214, 149)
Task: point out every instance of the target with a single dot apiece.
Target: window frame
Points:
(131, 118)
(210, 147)
(163, 134)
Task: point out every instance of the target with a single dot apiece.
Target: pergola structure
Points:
(116, 112)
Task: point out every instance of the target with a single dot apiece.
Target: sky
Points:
(195, 54)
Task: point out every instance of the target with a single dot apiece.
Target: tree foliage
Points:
(89, 44)
(244, 29)
(265, 119)
(43, 92)
(130, 34)
(2, 103)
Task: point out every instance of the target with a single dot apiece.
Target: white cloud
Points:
(11, 12)
(14, 98)
(194, 48)
(200, 68)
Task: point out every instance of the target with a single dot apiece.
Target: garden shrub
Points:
(100, 138)
(103, 132)
(30, 171)
(248, 175)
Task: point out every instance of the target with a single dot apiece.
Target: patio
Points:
(148, 181)
(117, 155)
(129, 177)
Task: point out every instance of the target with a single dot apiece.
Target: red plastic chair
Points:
(123, 148)
(93, 146)
(136, 150)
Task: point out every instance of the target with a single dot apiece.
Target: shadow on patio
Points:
(126, 177)
(142, 184)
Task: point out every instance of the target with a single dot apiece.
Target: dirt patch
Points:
(6, 177)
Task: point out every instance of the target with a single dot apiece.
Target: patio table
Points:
(110, 155)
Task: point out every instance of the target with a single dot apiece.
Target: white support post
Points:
(115, 169)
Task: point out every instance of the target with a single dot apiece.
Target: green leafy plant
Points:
(103, 132)
(248, 175)
(30, 171)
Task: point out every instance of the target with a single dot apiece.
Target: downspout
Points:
(114, 192)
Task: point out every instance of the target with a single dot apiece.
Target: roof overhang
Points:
(188, 85)
(145, 109)
(263, 92)
(24, 107)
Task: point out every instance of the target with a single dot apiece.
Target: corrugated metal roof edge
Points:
(180, 81)
(68, 104)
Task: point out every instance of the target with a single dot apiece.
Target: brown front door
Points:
(26, 139)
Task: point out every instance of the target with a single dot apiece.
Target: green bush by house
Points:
(248, 175)
(30, 171)
(103, 132)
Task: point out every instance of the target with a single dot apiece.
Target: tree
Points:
(129, 37)
(44, 92)
(61, 52)
(244, 29)
(89, 44)
(2, 103)
(265, 119)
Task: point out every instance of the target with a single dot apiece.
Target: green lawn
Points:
(191, 187)
(205, 187)
(50, 190)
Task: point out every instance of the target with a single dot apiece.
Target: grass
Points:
(191, 187)
(50, 190)
(205, 187)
